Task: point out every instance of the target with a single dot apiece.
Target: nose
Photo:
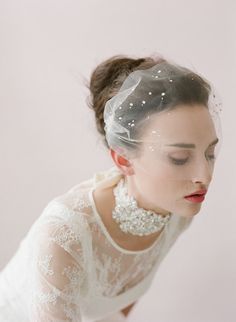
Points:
(203, 173)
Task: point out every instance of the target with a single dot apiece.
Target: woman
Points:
(95, 249)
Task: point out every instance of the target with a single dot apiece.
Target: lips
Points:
(198, 193)
(195, 198)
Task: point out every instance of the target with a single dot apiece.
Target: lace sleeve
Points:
(56, 273)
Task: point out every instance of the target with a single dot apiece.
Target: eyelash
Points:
(183, 161)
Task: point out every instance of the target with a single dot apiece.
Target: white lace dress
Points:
(68, 268)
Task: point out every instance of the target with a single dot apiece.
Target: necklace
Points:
(131, 218)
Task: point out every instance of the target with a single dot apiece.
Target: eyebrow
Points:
(190, 145)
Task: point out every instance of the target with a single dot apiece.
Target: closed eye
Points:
(183, 161)
(178, 161)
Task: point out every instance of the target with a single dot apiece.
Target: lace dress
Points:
(68, 268)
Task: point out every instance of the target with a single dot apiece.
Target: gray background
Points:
(48, 140)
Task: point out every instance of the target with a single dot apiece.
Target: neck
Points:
(142, 203)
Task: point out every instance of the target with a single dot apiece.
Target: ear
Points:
(123, 164)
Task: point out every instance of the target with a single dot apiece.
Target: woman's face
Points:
(165, 173)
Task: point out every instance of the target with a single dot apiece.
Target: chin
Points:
(189, 213)
(194, 212)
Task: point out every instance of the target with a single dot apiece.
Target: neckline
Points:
(112, 241)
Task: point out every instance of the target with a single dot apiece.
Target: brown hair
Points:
(107, 78)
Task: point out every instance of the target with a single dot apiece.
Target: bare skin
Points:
(154, 180)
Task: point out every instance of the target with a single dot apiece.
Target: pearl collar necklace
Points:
(131, 218)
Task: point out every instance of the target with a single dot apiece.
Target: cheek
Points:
(158, 179)
(159, 186)
(154, 168)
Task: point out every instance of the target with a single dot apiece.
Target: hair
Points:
(107, 78)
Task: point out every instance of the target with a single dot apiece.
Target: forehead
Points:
(185, 123)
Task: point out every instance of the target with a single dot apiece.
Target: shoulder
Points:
(60, 224)
(77, 199)
(73, 210)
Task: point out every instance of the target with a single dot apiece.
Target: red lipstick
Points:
(197, 196)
